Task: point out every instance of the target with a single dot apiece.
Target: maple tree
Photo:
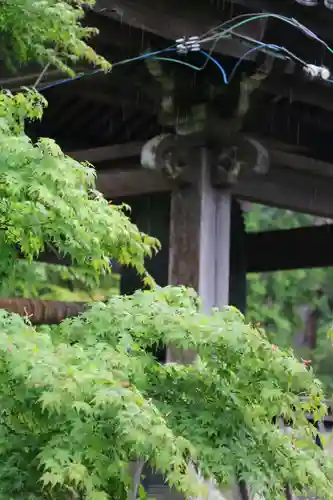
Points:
(277, 299)
(82, 400)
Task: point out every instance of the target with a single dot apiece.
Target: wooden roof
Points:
(289, 114)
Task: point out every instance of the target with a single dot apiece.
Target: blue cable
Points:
(119, 63)
(220, 67)
(143, 56)
(258, 47)
(70, 79)
(208, 57)
(139, 58)
(253, 49)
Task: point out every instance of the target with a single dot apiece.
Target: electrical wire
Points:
(68, 80)
(208, 55)
(230, 29)
(239, 62)
(250, 17)
(197, 68)
(261, 46)
(220, 67)
(253, 16)
(118, 63)
(226, 79)
(179, 61)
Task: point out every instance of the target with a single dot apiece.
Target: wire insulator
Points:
(313, 71)
(190, 44)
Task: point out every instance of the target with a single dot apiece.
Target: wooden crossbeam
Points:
(281, 155)
(290, 189)
(175, 19)
(300, 248)
(116, 184)
(293, 181)
(108, 153)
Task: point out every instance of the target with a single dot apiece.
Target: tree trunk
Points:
(307, 337)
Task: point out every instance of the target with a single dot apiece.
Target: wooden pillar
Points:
(200, 241)
(200, 236)
(195, 253)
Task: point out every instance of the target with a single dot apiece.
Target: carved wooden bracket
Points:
(171, 154)
(239, 155)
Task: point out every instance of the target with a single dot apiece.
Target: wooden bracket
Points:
(239, 154)
(170, 154)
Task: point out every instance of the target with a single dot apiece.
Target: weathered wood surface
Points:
(200, 241)
(42, 312)
(116, 184)
(108, 153)
(280, 154)
(200, 219)
(287, 186)
(312, 93)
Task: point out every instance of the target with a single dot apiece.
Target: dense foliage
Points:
(47, 32)
(38, 280)
(48, 200)
(82, 400)
(70, 391)
(277, 299)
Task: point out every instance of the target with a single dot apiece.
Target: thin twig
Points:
(41, 75)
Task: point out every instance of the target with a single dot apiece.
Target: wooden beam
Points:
(30, 73)
(281, 187)
(312, 93)
(317, 19)
(280, 154)
(108, 153)
(173, 19)
(287, 188)
(300, 163)
(43, 312)
(29, 76)
(293, 181)
(116, 183)
(300, 248)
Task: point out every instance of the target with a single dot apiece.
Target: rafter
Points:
(317, 19)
